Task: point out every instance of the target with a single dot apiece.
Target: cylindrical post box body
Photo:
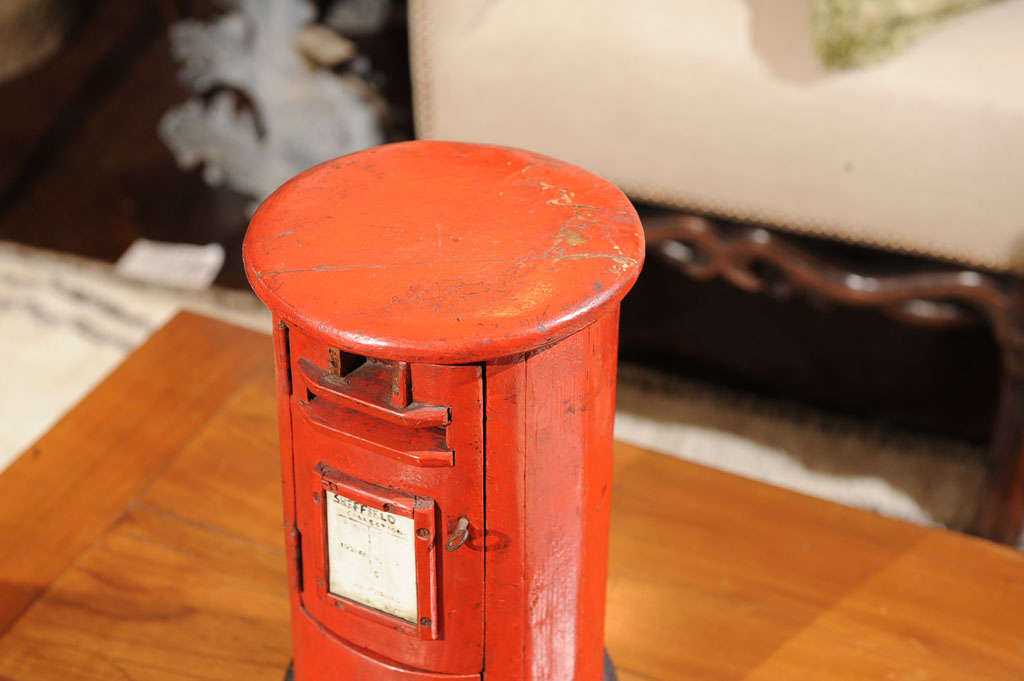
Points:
(446, 318)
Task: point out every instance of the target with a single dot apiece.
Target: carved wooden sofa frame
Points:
(704, 249)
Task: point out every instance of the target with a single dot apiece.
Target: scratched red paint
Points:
(497, 274)
(444, 252)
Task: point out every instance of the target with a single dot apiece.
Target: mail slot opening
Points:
(341, 363)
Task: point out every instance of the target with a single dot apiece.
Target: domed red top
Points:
(443, 252)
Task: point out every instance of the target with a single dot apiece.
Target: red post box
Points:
(446, 320)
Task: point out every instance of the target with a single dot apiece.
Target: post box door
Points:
(388, 487)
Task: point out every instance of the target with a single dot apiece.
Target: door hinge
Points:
(294, 538)
(282, 346)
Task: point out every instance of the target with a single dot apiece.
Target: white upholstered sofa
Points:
(720, 109)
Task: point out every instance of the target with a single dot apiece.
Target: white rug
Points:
(66, 322)
(926, 480)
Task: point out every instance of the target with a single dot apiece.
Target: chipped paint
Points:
(571, 237)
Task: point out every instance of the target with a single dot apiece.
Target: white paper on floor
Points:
(187, 266)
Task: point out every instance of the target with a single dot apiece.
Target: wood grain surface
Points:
(61, 494)
(141, 539)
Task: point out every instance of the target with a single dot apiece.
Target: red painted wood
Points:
(283, 380)
(322, 656)
(456, 489)
(443, 252)
(549, 464)
(369, 390)
(507, 604)
(416, 446)
(476, 281)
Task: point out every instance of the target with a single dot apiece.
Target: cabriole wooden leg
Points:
(1002, 507)
(703, 249)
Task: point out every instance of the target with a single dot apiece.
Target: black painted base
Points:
(609, 670)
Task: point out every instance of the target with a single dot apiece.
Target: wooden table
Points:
(141, 539)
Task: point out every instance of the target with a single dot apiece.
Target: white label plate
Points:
(371, 556)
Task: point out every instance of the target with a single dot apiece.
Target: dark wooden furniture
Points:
(141, 539)
(758, 260)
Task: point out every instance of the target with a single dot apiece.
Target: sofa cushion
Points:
(721, 108)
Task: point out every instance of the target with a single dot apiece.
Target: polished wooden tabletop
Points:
(141, 539)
